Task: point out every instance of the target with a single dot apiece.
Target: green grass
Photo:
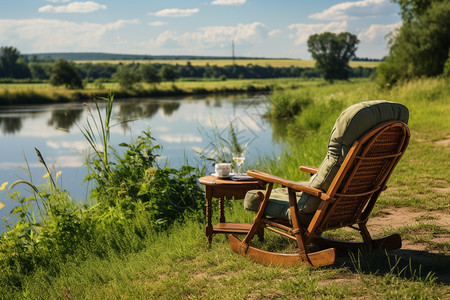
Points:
(34, 93)
(176, 263)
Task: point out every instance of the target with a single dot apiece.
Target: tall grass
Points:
(133, 199)
(427, 99)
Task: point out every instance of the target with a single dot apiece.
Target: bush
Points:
(287, 104)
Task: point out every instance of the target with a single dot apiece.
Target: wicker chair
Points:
(341, 193)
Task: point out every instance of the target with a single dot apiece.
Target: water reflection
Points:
(173, 123)
(65, 119)
(170, 107)
(11, 125)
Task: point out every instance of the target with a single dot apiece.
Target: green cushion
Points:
(351, 125)
(278, 205)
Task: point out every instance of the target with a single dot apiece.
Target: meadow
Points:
(137, 261)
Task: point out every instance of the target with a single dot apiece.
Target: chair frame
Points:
(348, 202)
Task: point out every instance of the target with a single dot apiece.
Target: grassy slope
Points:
(177, 265)
(30, 93)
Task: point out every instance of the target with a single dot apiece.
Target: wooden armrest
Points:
(311, 170)
(288, 183)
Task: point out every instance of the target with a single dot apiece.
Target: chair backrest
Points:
(362, 176)
(350, 126)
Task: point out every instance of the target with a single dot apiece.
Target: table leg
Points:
(221, 210)
(209, 227)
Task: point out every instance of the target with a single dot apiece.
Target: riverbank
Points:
(131, 260)
(44, 93)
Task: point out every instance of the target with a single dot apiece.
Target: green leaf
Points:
(16, 210)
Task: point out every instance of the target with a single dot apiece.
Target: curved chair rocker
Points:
(366, 143)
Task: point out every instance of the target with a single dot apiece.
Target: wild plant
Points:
(131, 181)
(221, 144)
(49, 227)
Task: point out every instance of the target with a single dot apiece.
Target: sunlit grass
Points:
(277, 63)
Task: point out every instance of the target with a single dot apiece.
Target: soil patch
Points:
(401, 216)
(420, 253)
(444, 142)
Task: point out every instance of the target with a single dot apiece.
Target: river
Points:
(181, 127)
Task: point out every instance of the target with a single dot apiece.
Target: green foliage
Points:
(135, 198)
(40, 70)
(64, 73)
(446, 72)
(12, 65)
(332, 53)
(149, 74)
(49, 228)
(134, 182)
(421, 46)
(168, 73)
(287, 104)
(127, 77)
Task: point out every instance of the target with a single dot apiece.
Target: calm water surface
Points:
(178, 125)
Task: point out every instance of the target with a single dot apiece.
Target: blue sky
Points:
(259, 28)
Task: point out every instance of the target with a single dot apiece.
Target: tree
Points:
(64, 73)
(12, 65)
(168, 73)
(149, 74)
(420, 47)
(332, 53)
(127, 77)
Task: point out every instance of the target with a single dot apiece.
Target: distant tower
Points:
(232, 50)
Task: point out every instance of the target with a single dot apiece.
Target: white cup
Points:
(223, 169)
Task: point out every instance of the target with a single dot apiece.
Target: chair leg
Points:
(391, 242)
(260, 232)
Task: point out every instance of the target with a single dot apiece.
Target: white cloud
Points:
(157, 23)
(228, 2)
(215, 36)
(175, 12)
(274, 32)
(41, 35)
(303, 31)
(356, 10)
(74, 7)
(377, 33)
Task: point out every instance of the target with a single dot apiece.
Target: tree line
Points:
(63, 72)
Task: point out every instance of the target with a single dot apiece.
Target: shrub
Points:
(287, 104)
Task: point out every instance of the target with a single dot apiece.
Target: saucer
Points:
(228, 176)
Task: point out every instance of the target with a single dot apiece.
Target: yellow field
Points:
(241, 62)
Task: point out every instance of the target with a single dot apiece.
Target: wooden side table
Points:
(226, 189)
